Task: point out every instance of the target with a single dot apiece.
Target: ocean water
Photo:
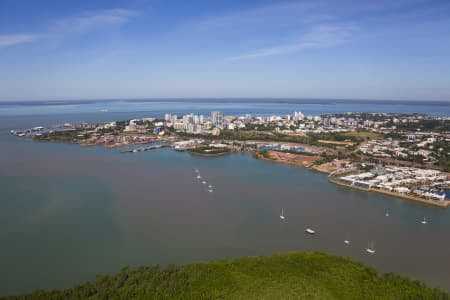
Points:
(68, 213)
(157, 107)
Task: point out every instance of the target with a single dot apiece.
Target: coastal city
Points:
(276, 149)
(401, 155)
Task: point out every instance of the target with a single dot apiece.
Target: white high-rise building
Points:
(217, 119)
(298, 116)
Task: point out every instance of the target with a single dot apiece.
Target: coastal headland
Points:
(401, 155)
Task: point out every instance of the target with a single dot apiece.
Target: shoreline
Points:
(307, 165)
(442, 204)
(208, 154)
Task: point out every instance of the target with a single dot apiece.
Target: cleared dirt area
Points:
(290, 158)
(334, 166)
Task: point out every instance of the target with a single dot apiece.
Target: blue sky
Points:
(164, 48)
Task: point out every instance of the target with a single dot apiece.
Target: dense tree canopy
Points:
(289, 276)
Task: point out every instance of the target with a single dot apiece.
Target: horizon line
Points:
(220, 98)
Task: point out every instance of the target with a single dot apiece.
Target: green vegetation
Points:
(266, 135)
(261, 153)
(338, 137)
(442, 150)
(298, 153)
(63, 136)
(423, 125)
(242, 135)
(207, 150)
(367, 135)
(328, 157)
(289, 276)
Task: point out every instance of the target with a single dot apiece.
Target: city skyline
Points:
(291, 49)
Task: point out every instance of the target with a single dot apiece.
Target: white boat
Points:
(204, 182)
(210, 190)
(370, 249)
(210, 186)
(199, 177)
(347, 242)
(309, 231)
(387, 214)
(424, 221)
(282, 215)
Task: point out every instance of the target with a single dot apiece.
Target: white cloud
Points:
(321, 36)
(83, 23)
(7, 40)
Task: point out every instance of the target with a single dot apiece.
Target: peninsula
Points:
(401, 155)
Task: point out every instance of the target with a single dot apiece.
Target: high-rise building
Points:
(298, 116)
(217, 119)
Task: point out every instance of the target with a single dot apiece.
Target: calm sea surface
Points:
(68, 213)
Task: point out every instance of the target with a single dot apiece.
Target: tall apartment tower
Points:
(217, 119)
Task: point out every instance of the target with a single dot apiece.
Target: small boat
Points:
(370, 249)
(424, 221)
(199, 177)
(387, 214)
(196, 171)
(210, 186)
(282, 215)
(204, 182)
(210, 190)
(309, 231)
(347, 242)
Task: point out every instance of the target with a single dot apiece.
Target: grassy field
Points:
(340, 143)
(288, 276)
(209, 151)
(363, 135)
